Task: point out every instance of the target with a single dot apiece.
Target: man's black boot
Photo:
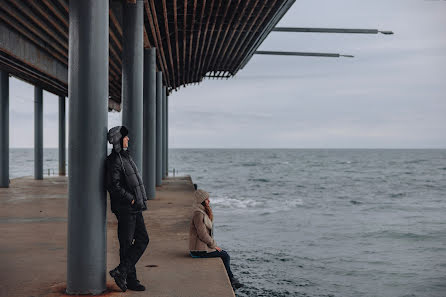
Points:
(135, 285)
(235, 283)
(119, 277)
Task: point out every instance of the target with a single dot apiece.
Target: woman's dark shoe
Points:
(235, 283)
(135, 285)
(119, 277)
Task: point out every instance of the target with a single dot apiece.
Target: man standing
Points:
(128, 200)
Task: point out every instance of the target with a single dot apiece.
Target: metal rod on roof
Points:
(331, 55)
(330, 30)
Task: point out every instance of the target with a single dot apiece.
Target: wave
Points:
(397, 195)
(262, 180)
(268, 206)
(250, 164)
(354, 202)
(397, 235)
(237, 203)
(415, 161)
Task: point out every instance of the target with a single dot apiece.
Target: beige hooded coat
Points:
(200, 231)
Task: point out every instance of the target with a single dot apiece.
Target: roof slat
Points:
(206, 55)
(177, 50)
(160, 41)
(169, 48)
(18, 20)
(240, 33)
(198, 72)
(152, 27)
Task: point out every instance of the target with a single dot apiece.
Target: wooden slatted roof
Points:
(195, 38)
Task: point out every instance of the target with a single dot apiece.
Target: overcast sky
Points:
(391, 95)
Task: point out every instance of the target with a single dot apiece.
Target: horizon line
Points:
(285, 148)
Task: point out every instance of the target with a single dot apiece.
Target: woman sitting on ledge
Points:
(201, 243)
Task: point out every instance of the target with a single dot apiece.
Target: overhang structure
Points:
(194, 39)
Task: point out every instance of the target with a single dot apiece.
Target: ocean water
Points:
(320, 222)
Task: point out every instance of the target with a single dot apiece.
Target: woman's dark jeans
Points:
(223, 255)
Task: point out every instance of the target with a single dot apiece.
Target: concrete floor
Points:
(33, 226)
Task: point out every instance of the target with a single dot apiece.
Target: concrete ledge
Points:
(33, 238)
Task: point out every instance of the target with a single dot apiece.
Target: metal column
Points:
(164, 132)
(132, 77)
(159, 128)
(62, 129)
(167, 135)
(88, 105)
(38, 133)
(4, 129)
(149, 128)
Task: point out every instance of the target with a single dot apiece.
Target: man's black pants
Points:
(133, 241)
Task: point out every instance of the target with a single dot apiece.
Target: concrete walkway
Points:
(33, 226)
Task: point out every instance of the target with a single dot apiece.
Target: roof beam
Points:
(48, 18)
(152, 27)
(31, 16)
(240, 33)
(224, 44)
(7, 19)
(63, 4)
(169, 48)
(218, 35)
(243, 49)
(330, 30)
(198, 68)
(115, 23)
(306, 54)
(160, 41)
(56, 13)
(146, 39)
(177, 49)
(276, 17)
(191, 41)
(184, 41)
(228, 65)
(194, 78)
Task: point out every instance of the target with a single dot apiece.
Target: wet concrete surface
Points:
(33, 236)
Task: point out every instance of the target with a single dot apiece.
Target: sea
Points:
(319, 222)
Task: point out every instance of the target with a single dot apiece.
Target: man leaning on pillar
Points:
(128, 201)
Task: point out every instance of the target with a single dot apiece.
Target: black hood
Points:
(115, 136)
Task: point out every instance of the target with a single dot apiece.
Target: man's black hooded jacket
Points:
(124, 183)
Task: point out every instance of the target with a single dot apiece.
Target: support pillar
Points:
(164, 132)
(62, 130)
(167, 135)
(149, 128)
(159, 128)
(132, 77)
(4, 129)
(38, 133)
(88, 106)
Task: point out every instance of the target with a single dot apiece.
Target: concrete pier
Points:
(33, 243)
